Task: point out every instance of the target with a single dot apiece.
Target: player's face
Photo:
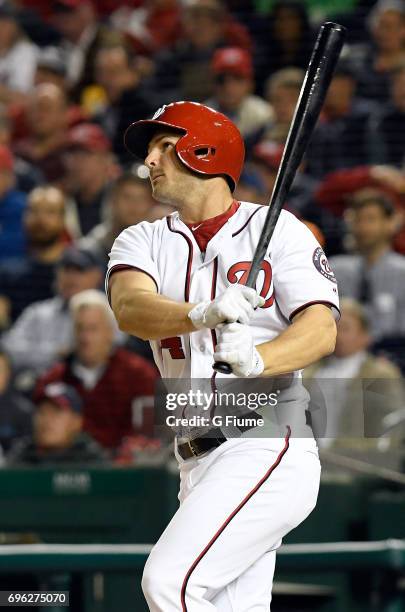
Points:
(172, 183)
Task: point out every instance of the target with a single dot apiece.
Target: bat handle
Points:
(223, 367)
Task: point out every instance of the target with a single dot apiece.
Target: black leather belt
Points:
(206, 442)
(201, 445)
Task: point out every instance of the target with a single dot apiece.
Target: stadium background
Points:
(81, 462)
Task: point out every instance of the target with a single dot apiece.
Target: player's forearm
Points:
(151, 316)
(310, 337)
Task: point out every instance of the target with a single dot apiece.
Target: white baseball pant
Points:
(236, 504)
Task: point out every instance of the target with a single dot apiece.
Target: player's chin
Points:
(160, 194)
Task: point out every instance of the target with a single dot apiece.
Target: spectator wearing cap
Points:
(374, 275)
(116, 386)
(89, 171)
(340, 139)
(232, 70)
(12, 205)
(126, 98)
(82, 35)
(43, 333)
(15, 409)
(47, 119)
(32, 278)
(374, 62)
(184, 71)
(58, 437)
(17, 57)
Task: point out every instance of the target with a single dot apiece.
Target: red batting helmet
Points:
(211, 143)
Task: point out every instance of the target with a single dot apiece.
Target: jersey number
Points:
(174, 346)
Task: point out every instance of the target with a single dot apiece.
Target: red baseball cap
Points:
(89, 137)
(6, 159)
(232, 60)
(62, 395)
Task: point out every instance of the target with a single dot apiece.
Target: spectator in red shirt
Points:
(116, 386)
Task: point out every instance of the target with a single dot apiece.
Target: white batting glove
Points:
(236, 347)
(236, 303)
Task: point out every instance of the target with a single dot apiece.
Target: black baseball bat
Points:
(318, 76)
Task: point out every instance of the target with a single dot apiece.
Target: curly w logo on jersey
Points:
(239, 272)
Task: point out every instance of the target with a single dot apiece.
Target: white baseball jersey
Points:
(294, 274)
(239, 500)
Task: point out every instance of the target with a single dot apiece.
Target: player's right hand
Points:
(236, 303)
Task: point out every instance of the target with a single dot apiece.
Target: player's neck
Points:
(206, 205)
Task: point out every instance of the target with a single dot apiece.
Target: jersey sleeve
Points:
(301, 272)
(134, 249)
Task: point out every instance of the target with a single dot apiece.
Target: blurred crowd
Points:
(73, 75)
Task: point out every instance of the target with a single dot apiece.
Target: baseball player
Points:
(179, 282)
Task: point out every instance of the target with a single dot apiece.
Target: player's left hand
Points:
(236, 347)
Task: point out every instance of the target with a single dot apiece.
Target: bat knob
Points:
(221, 366)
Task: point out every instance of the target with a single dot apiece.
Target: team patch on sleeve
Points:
(321, 264)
